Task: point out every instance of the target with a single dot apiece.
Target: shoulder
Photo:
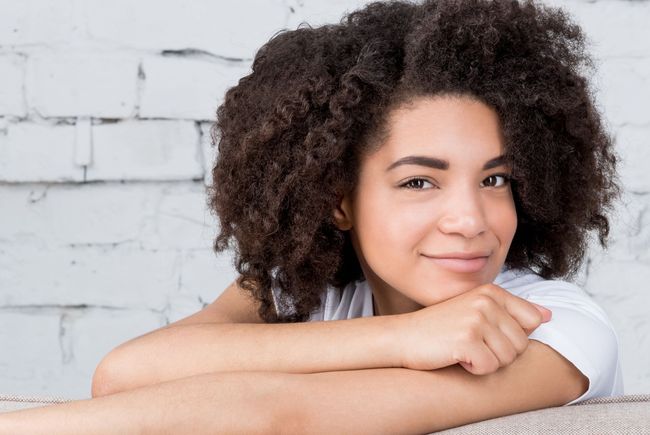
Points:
(579, 329)
(553, 293)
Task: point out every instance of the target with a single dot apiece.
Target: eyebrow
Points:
(435, 163)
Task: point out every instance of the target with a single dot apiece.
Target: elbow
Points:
(97, 386)
(579, 386)
(106, 378)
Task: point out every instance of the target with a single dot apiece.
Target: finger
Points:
(497, 316)
(524, 312)
(480, 360)
(546, 313)
(513, 331)
(500, 345)
(507, 326)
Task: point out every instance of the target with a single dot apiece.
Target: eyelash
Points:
(507, 179)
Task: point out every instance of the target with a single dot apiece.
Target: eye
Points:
(414, 184)
(506, 179)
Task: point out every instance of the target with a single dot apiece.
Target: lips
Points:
(461, 265)
(462, 255)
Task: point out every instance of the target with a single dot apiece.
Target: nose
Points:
(464, 215)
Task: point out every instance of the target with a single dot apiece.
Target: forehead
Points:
(454, 128)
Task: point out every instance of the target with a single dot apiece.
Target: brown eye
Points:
(415, 184)
(506, 179)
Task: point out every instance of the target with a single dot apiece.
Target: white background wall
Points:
(105, 154)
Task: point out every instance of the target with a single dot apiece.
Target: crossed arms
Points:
(344, 376)
(318, 377)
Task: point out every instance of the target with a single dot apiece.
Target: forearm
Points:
(182, 351)
(399, 400)
(235, 402)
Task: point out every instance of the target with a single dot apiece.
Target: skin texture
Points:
(394, 220)
(212, 403)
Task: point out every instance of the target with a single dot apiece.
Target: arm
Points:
(230, 403)
(430, 338)
(397, 400)
(186, 350)
(358, 401)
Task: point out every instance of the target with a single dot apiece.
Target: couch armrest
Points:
(13, 402)
(622, 414)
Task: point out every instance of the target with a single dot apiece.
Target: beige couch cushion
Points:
(9, 402)
(602, 415)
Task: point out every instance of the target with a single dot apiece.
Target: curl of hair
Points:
(292, 133)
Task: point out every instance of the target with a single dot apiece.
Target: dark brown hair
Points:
(291, 135)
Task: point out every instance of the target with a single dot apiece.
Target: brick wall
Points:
(104, 156)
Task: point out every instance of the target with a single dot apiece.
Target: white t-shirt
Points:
(579, 329)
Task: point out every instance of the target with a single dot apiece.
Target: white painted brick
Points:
(144, 215)
(31, 354)
(633, 145)
(91, 334)
(210, 152)
(187, 88)
(181, 220)
(82, 84)
(640, 244)
(83, 138)
(59, 215)
(636, 222)
(45, 361)
(629, 236)
(36, 22)
(11, 86)
(146, 150)
(38, 152)
(110, 277)
(621, 289)
(228, 29)
(614, 28)
(316, 12)
(182, 305)
(204, 276)
(616, 284)
(624, 90)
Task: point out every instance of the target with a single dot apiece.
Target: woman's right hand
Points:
(483, 330)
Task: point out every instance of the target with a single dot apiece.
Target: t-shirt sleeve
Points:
(581, 332)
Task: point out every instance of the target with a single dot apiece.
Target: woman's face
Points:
(432, 188)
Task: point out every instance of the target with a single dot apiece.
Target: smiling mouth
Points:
(459, 265)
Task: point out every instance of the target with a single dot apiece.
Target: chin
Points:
(447, 291)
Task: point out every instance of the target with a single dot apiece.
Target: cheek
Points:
(377, 222)
(382, 222)
(504, 221)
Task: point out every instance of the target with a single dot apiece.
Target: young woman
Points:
(402, 189)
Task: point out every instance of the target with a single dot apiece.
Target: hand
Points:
(483, 330)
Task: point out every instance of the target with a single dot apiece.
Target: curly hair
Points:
(292, 133)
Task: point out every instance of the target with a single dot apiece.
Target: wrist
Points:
(393, 333)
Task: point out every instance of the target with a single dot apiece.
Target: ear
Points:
(343, 213)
